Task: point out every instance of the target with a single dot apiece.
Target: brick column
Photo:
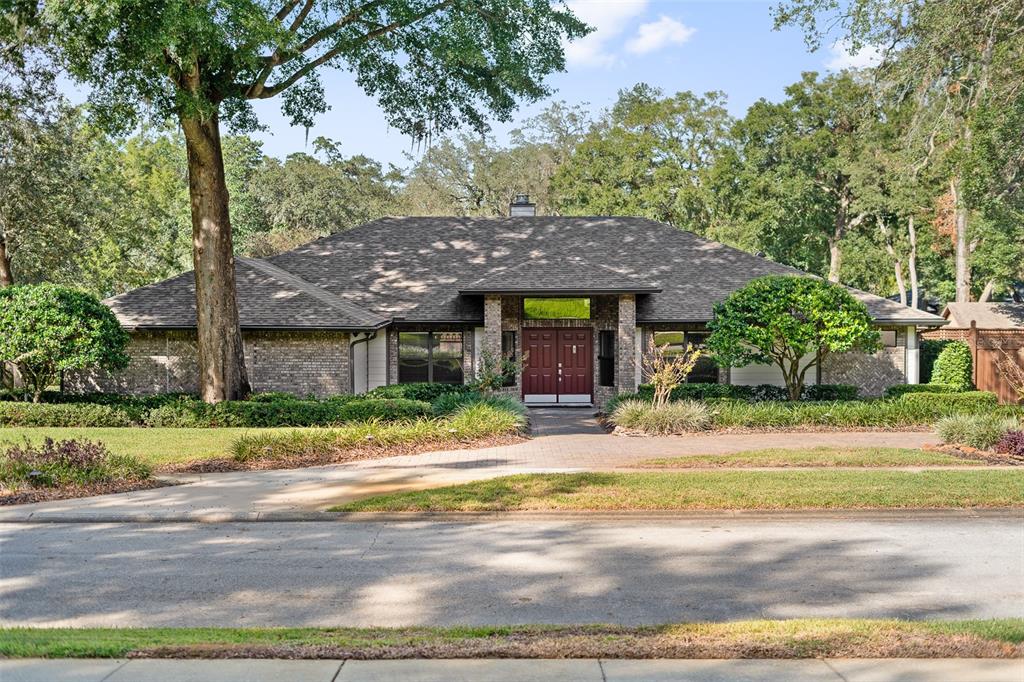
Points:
(492, 327)
(625, 370)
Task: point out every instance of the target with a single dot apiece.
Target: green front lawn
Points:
(752, 490)
(814, 457)
(156, 447)
(807, 638)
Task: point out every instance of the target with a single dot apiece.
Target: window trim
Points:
(430, 356)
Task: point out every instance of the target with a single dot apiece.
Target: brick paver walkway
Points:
(566, 440)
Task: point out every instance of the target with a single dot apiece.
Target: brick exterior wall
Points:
(625, 361)
(872, 374)
(302, 363)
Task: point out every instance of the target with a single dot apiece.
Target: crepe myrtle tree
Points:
(48, 329)
(783, 319)
(431, 64)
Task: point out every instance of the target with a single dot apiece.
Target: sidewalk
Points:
(242, 494)
(512, 670)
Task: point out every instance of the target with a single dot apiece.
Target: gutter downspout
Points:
(352, 361)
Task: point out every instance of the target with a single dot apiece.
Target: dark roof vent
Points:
(521, 206)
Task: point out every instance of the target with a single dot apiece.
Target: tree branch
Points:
(266, 92)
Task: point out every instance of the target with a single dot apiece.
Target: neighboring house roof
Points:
(985, 315)
(268, 298)
(415, 269)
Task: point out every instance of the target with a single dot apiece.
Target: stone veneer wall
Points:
(302, 363)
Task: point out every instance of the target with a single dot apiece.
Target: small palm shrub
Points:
(1011, 443)
(452, 402)
(954, 366)
(679, 416)
(980, 431)
(53, 464)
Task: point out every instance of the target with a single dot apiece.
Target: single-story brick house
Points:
(422, 299)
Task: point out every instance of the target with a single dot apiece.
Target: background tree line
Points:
(823, 181)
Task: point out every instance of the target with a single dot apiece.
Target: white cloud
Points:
(658, 34)
(608, 18)
(843, 58)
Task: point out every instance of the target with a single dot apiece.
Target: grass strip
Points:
(806, 638)
(754, 490)
(815, 457)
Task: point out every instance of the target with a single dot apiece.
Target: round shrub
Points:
(679, 416)
(953, 366)
(981, 431)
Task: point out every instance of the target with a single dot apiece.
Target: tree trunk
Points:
(835, 258)
(896, 260)
(986, 294)
(912, 263)
(6, 275)
(963, 252)
(222, 374)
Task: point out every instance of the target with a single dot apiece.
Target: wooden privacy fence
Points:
(987, 347)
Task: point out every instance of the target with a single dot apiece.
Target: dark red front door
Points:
(559, 366)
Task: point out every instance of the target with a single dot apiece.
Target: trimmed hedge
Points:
(70, 414)
(759, 393)
(903, 389)
(419, 391)
(291, 412)
(972, 401)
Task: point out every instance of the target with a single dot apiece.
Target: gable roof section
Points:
(986, 315)
(414, 269)
(546, 276)
(268, 298)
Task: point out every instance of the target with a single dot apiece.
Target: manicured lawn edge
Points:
(820, 456)
(823, 489)
(805, 638)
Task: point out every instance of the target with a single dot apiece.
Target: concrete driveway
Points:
(564, 441)
(511, 571)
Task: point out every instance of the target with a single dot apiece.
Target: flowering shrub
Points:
(65, 463)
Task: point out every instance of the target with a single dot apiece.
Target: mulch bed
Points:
(226, 464)
(967, 452)
(572, 643)
(29, 495)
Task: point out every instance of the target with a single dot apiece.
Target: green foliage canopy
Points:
(49, 329)
(782, 319)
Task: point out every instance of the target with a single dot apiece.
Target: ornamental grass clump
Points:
(681, 416)
(981, 431)
(56, 464)
(472, 422)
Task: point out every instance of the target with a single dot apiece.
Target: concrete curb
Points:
(525, 516)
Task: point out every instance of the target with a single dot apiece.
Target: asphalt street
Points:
(509, 571)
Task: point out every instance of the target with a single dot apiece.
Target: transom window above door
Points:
(556, 308)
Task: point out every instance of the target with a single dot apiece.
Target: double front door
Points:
(559, 366)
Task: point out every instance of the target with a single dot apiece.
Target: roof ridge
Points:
(313, 290)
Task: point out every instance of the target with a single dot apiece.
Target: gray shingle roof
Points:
(414, 268)
(268, 297)
(558, 276)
